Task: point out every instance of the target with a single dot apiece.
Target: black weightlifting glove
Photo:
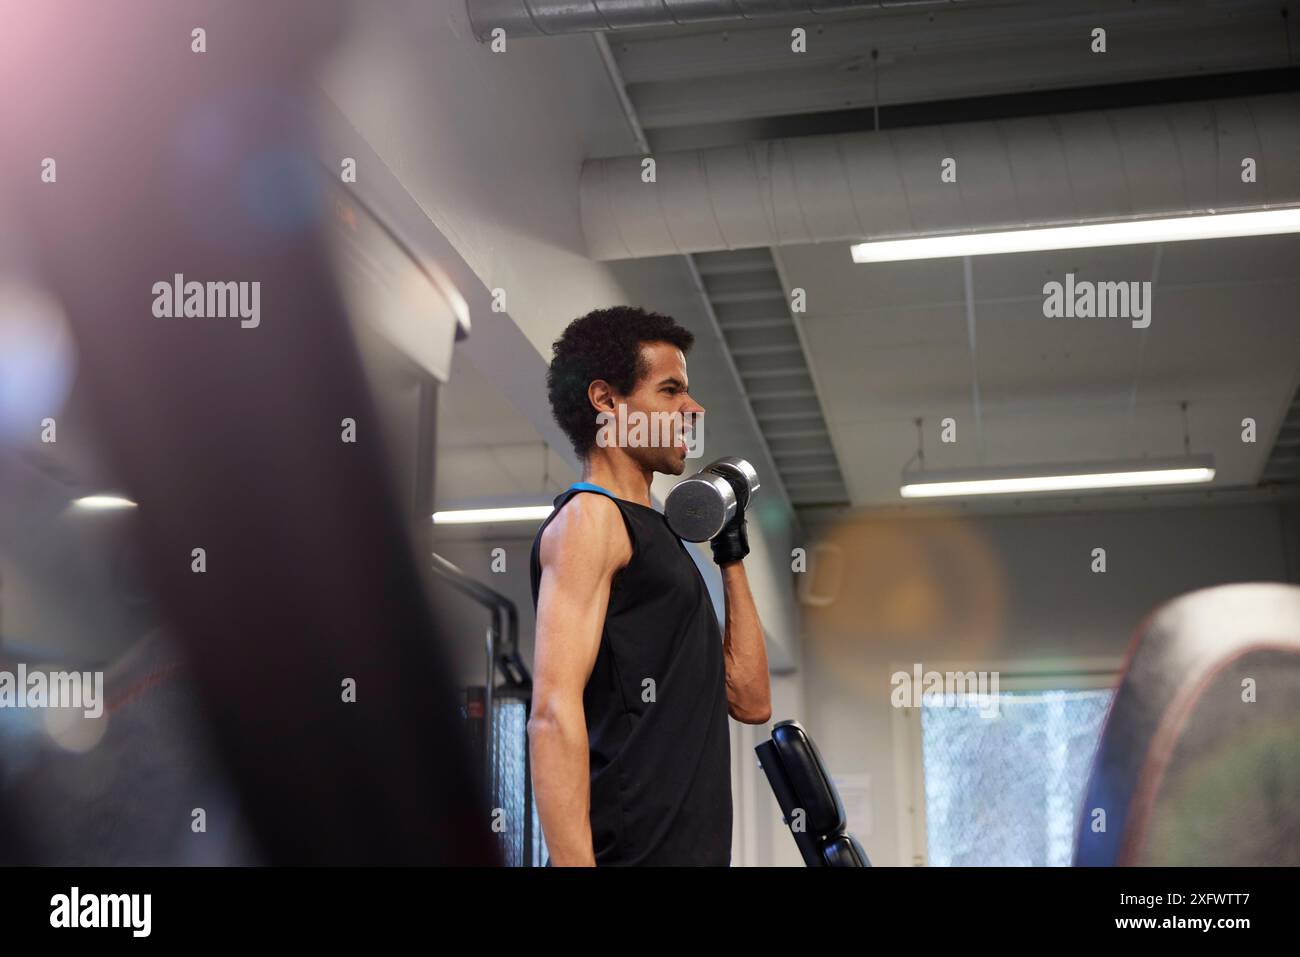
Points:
(731, 544)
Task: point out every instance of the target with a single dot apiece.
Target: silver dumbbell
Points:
(700, 506)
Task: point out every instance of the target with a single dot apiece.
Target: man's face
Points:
(664, 390)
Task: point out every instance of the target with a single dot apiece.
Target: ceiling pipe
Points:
(1113, 164)
(536, 18)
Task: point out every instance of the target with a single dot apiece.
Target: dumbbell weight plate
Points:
(698, 507)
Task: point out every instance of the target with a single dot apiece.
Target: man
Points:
(633, 682)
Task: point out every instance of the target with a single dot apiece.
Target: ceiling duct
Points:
(536, 18)
(1174, 158)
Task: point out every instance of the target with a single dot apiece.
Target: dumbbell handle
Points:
(732, 544)
(740, 474)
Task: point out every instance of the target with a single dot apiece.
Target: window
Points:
(1004, 786)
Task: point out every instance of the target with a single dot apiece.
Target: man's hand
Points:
(731, 544)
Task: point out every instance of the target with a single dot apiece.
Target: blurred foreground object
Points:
(225, 429)
(1199, 760)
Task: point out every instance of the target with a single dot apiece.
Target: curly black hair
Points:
(603, 344)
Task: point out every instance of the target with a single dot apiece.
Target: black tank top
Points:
(660, 752)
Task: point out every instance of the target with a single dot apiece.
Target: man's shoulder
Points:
(589, 522)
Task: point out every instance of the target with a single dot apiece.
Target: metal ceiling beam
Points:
(535, 18)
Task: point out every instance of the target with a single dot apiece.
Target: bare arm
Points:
(580, 552)
(749, 692)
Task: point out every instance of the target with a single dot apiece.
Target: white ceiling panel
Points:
(890, 342)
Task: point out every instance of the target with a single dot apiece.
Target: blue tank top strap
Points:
(592, 487)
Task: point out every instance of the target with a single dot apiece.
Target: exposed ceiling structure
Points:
(528, 18)
(737, 81)
(768, 162)
(1284, 463)
(1093, 166)
(749, 301)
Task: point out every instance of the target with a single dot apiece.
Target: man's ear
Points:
(601, 396)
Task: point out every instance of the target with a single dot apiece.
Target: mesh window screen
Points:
(510, 778)
(518, 830)
(1006, 790)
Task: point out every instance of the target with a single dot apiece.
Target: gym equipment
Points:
(501, 743)
(1199, 759)
(114, 806)
(701, 506)
(810, 803)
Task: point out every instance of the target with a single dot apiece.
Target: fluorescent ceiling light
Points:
(103, 502)
(481, 516)
(1023, 480)
(1264, 222)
